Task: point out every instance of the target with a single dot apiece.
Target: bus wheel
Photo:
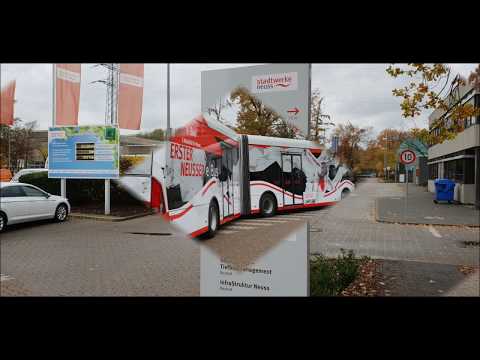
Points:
(213, 220)
(268, 205)
(345, 193)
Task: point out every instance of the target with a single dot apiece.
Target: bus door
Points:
(291, 179)
(297, 179)
(227, 182)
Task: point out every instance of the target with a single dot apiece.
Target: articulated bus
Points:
(210, 175)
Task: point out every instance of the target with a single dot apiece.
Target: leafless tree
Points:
(17, 143)
(218, 108)
(318, 118)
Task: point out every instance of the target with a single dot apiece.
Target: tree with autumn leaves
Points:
(362, 153)
(255, 118)
(356, 148)
(430, 88)
(351, 138)
(381, 152)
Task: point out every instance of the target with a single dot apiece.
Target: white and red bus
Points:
(210, 175)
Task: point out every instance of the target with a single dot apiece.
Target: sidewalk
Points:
(421, 209)
(415, 278)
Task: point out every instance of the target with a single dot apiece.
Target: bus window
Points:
(332, 172)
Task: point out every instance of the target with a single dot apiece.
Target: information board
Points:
(282, 271)
(284, 88)
(83, 152)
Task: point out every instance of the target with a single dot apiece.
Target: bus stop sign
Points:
(407, 157)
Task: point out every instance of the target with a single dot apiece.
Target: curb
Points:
(424, 224)
(378, 219)
(110, 218)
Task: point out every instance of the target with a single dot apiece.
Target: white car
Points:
(24, 202)
(16, 177)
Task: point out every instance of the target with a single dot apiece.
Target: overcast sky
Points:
(360, 93)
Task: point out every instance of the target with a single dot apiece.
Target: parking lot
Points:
(148, 257)
(95, 258)
(139, 257)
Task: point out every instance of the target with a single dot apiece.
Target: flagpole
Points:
(63, 181)
(168, 101)
(115, 79)
(167, 134)
(8, 130)
(54, 105)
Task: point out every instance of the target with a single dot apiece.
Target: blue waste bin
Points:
(444, 190)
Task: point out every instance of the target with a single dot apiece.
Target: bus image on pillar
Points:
(210, 175)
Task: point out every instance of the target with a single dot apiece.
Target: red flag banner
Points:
(7, 98)
(67, 99)
(130, 96)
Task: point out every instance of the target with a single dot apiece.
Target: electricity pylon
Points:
(111, 101)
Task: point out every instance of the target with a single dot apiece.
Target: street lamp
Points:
(385, 138)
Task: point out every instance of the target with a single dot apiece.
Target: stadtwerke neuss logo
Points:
(274, 82)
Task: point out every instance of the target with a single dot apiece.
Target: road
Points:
(417, 260)
(140, 257)
(148, 257)
(351, 225)
(96, 258)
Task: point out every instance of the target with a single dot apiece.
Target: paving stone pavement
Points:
(421, 209)
(469, 286)
(351, 225)
(83, 257)
(413, 278)
(95, 258)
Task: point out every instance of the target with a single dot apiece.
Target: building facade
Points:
(457, 159)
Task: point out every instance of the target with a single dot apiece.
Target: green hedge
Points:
(81, 191)
(329, 277)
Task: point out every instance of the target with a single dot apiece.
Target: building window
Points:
(471, 119)
(459, 170)
(469, 167)
(433, 171)
(449, 171)
(467, 122)
(454, 170)
(449, 123)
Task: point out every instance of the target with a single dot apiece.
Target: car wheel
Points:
(213, 219)
(268, 205)
(61, 213)
(3, 222)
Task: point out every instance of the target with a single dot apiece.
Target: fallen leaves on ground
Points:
(369, 282)
(13, 288)
(467, 270)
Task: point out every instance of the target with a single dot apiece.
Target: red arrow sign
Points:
(294, 110)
